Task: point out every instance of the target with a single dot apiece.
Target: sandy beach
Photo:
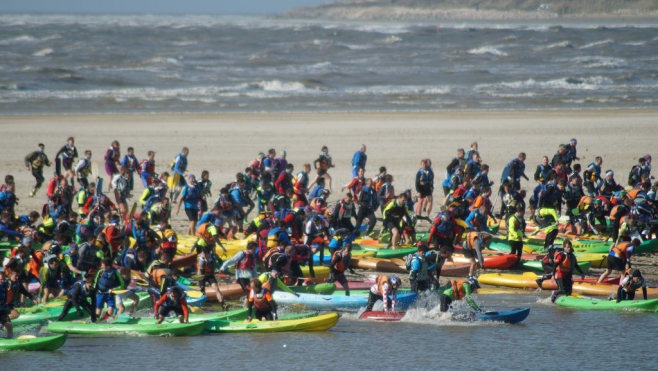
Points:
(225, 143)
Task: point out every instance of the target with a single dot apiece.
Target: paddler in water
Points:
(108, 278)
(340, 261)
(261, 298)
(383, 287)
(460, 289)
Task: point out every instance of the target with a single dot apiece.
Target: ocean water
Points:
(124, 64)
(551, 338)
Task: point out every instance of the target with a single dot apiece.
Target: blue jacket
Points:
(359, 160)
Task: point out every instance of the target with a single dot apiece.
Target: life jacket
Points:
(86, 258)
(274, 237)
(126, 254)
(339, 266)
(52, 248)
(85, 170)
(141, 236)
(395, 211)
(6, 295)
(108, 280)
(275, 256)
(551, 252)
(458, 289)
(630, 285)
(225, 203)
(377, 182)
(114, 236)
(585, 203)
(158, 271)
(260, 299)
(618, 212)
(543, 170)
(470, 239)
(442, 227)
(567, 265)
(380, 281)
(323, 162)
(247, 263)
(621, 251)
(38, 159)
(208, 264)
(302, 182)
(169, 240)
(203, 233)
(421, 275)
(192, 195)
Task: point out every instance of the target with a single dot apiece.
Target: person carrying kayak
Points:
(261, 298)
(419, 270)
(359, 161)
(35, 161)
(340, 261)
(457, 290)
(107, 279)
(82, 295)
(632, 281)
(174, 301)
(383, 287)
(564, 264)
(620, 256)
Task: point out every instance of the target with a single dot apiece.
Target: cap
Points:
(609, 173)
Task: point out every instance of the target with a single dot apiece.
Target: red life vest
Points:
(247, 262)
(260, 299)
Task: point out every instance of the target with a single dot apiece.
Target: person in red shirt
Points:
(565, 263)
(172, 301)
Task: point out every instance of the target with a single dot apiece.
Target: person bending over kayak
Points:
(82, 295)
(261, 298)
(340, 261)
(619, 256)
(564, 264)
(174, 301)
(516, 232)
(460, 289)
(126, 274)
(632, 281)
(383, 287)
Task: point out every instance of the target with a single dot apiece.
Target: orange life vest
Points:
(621, 250)
(566, 266)
(339, 267)
(203, 233)
(381, 280)
(458, 288)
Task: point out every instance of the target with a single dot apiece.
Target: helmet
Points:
(597, 202)
(636, 273)
(395, 281)
(474, 282)
(254, 163)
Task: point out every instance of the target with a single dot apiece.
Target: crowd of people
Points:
(87, 239)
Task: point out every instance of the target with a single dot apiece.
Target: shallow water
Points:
(551, 338)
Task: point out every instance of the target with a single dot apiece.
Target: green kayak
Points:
(46, 343)
(535, 266)
(389, 253)
(233, 315)
(650, 305)
(320, 288)
(135, 327)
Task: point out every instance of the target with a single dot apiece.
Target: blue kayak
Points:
(333, 302)
(508, 316)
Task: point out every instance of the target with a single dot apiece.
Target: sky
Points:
(154, 6)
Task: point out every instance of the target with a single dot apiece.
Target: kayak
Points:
(392, 253)
(378, 315)
(45, 343)
(527, 280)
(650, 305)
(321, 288)
(603, 289)
(597, 260)
(135, 327)
(535, 266)
(398, 266)
(508, 316)
(505, 261)
(338, 301)
(317, 323)
(233, 315)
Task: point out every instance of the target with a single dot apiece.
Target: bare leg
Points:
(428, 205)
(328, 179)
(604, 275)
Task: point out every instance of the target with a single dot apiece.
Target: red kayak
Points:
(382, 316)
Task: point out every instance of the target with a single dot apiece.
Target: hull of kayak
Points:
(46, 343)
(535, 266)
(338, 301)
(321, 288)
(317, 323)
(506, 316)
(527, 281)
(490, 262)
(170, 329)
(377, 315)
(650, 305)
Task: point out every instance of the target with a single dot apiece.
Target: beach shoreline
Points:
(225, 143)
